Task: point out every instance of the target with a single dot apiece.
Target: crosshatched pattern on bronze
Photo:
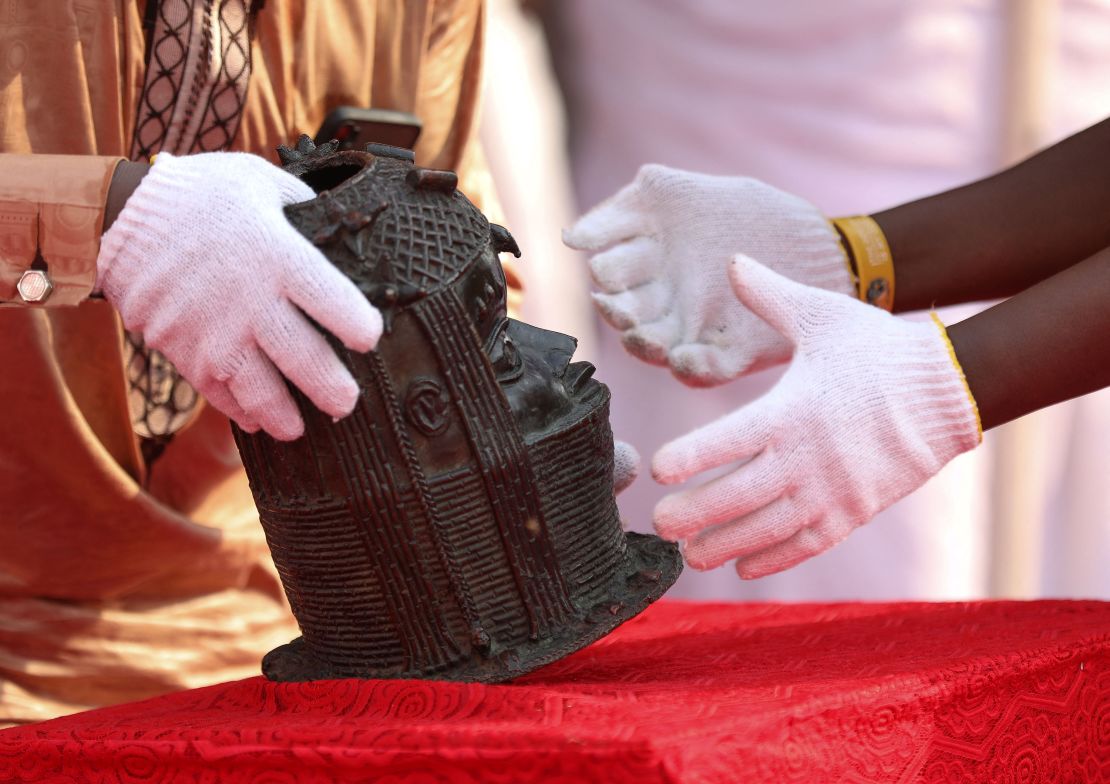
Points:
(461, 522)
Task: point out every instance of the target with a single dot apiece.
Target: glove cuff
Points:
(960, 373)
(147, 215)
(942, 410)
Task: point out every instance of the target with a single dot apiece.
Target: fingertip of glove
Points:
(374, 327)
(287, 431)
(644, 348)
(697, 560)
(747, 573)
(247, 425)
(626, 465)
(756, 282)
(697, 366)
(365, 334)
(740, 268)
(759, 564)
(342, 400)
(669, 466)
(577, 238)
(666, 517)
(593, 231)
(607, 305)
(622, 450)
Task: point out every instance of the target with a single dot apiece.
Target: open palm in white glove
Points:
(870, 408)
(203, 263)
(663, 282)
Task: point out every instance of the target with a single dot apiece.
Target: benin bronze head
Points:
(461, 522)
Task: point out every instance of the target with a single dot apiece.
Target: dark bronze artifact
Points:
(460, 524)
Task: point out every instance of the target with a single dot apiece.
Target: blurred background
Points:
(856, 106)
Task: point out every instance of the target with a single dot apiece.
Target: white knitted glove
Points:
(203, 263)
(870, 408)
(664, 284)
(626, 465)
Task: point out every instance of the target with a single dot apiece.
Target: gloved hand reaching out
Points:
(870, 407)
(664, 279)
(203, 263)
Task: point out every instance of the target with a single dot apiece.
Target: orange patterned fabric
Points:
(849, 693)
(114, 584)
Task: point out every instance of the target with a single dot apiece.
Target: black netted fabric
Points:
(224, 107)
(174, 30)
(198, 69)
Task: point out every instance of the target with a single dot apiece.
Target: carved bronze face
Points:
(461, 522)
(532, 365)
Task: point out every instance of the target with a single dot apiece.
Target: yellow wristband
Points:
(874, 266)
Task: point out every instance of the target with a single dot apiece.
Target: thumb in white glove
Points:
(203, 263)
(870, 408)
(664, 284)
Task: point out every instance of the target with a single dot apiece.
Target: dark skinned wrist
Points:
(1045, 345)
(999, 236)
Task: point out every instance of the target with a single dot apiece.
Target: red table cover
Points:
(984, 692)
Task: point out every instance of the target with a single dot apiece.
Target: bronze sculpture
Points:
(461, 522)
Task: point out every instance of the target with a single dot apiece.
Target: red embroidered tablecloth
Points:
(984, 692)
